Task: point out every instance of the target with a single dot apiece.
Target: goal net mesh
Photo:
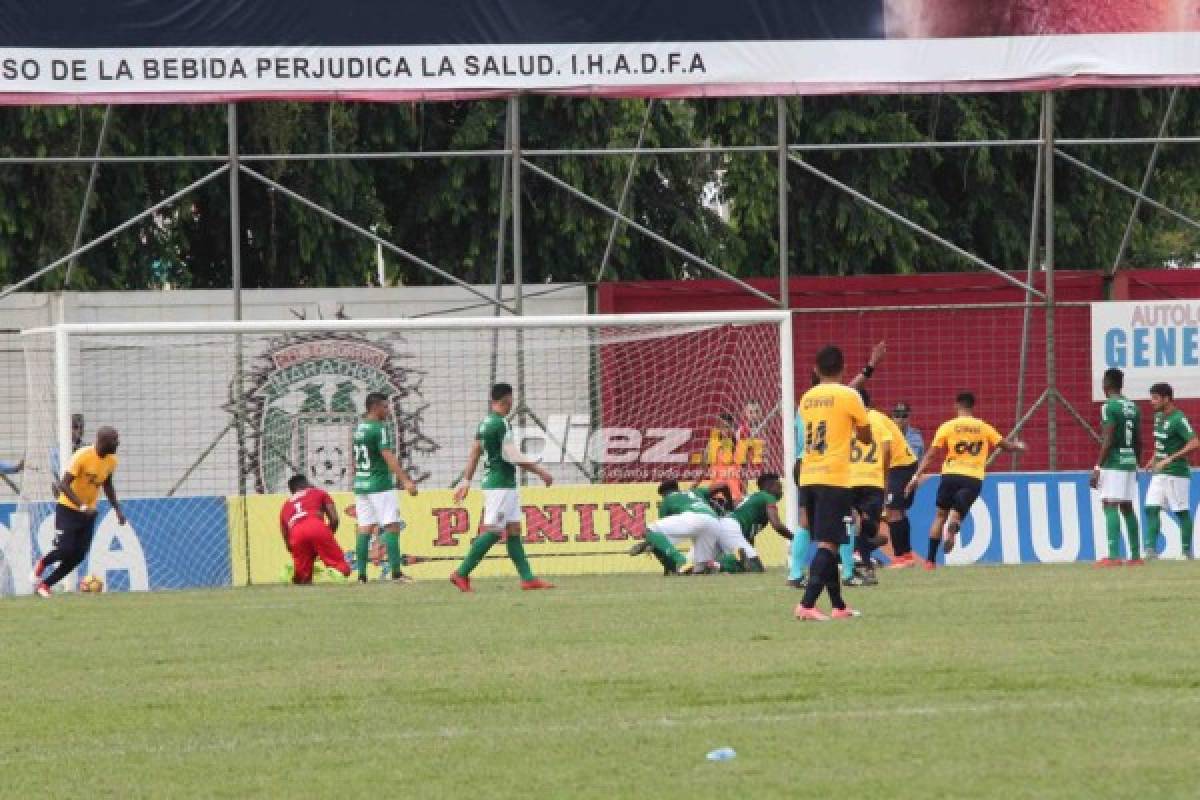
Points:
(212, 425)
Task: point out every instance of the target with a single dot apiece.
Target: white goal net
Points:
(214, 419)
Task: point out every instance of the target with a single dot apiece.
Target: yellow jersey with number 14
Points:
(89, 471)
(968, 442)
(831, 413)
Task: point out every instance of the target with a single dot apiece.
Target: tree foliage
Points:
(447, 209)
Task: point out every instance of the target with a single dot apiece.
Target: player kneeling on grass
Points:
(307, 521)
(682, 515)
(754, 513)
(91, 469)
(1115, 473)
(501, 504)
(375, 504)
(965, 443)
(1171, 480)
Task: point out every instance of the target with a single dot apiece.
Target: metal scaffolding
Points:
(517, 165)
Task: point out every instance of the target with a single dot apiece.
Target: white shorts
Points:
(1169, 492)
(1118, 485)
(701, 528)
(501, 508)
(731, 539)
(380, 508)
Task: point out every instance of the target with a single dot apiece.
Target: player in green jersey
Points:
(1115, 473)
(501, 505)
(1170, 484)
(682, 515)
(375, 505)
(755, 512)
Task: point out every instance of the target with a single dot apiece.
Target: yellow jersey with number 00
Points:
(968, 442)
(831, 413)
(89, 471)
(866, 460)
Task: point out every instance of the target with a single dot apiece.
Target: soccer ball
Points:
(91, 584)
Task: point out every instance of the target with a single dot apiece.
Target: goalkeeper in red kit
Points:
(307, 521)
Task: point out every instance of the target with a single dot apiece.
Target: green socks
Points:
(362, 552)
(1153, 527)
(478, 550)
(392, 540)
(516, 552)
(800, 543)
(1112, 525)
(1185, 529)
(1135, 535)
(663, 545)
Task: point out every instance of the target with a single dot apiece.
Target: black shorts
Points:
(828, 507)
(75, 528)
(958, 493)
(868, 501)
(897, 483)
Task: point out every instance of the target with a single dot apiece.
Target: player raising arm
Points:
(375, 503)
(501, 504)
(965, 443)
(91, 469)
(307, 521)
(1171, 481)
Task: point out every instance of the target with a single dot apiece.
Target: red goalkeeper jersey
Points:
(304, 505)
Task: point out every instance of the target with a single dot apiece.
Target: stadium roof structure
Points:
(227, 51)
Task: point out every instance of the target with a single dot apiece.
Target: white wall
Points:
(168, 400)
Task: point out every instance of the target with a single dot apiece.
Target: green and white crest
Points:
(306, 397)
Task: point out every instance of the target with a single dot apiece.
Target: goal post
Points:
(213, 415)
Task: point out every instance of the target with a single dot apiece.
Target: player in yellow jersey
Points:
(903, 465)
(834, 417)
(965, 443)
(90, 470)
(868, 476)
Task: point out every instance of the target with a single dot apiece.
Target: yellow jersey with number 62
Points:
(831, 413)
(968, 442)
(866, 460)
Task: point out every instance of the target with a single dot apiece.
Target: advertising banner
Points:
(57, 51)
(569, 530)
(173, 543)
(1151, 343)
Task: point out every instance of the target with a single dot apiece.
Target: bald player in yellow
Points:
(869, 466)
(91, 469)
(834, 417)
(966, 443)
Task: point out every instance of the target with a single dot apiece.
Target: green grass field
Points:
(1039, 682)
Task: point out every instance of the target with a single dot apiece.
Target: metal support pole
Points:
(235, 212)
(239, 382)
(1030, 264)
(514, 120)
(1051, 364)
(87, 197)
(781, 165)
(501, 241)
(616, 224)
(1137, 203)
(1116, 184)
(914, 227)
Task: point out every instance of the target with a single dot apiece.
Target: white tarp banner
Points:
(1151, 341)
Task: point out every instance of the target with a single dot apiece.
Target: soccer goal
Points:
(215, 417)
